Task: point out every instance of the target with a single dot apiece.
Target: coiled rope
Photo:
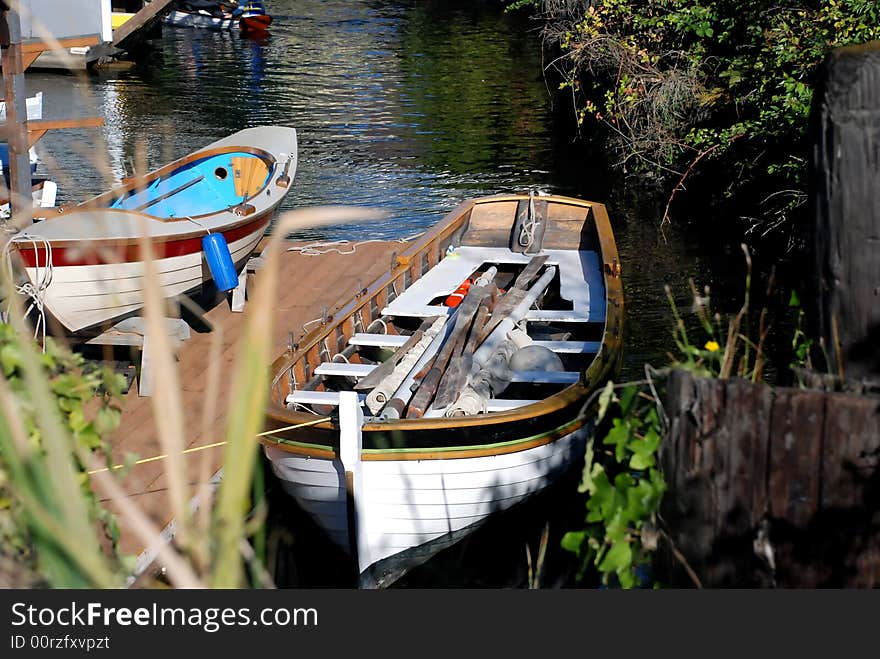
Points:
(35, 290)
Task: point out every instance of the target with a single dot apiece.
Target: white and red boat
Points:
(231, 187)
(214, 15)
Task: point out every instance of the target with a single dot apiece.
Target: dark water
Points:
(407, 106)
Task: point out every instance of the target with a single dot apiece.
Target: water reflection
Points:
(408, 106)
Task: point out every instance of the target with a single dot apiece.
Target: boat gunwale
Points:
(435, 453)
(607, 358)
(159, 239)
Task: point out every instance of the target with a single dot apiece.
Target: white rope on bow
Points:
(34, 289)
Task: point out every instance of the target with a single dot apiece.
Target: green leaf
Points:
(618, 437)
(641, 461)
(618, 558)
(627, 397)
(10, 358)
(573, 541)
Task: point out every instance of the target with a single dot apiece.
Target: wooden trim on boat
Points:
(444, 453)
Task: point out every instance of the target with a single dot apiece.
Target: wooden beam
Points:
(39, 46)
(37, 128)
(33, 48)
(144, 17)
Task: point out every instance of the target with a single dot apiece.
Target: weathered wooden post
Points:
(782, 486)
(20, 200)
(846, 203)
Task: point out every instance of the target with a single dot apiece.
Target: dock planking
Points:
(308, 286)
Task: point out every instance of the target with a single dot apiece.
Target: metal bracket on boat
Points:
(399, 261)
(613, 268)
(244, 209)
(284, 180)
(360, 289)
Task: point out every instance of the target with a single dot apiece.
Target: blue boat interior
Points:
(200, 187)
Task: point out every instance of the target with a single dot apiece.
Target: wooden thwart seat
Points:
(580, 282)
(378, 340)
(317, 397)
(346, 370)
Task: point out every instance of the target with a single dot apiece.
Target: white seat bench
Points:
(317, 397)
(580, 281)
(445, 277)
(493, 405)
(378, 340)
(344, 369)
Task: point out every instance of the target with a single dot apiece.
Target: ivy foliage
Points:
(624, 487)
(673, 80)
(86, 399)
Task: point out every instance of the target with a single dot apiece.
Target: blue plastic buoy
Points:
(220, 261)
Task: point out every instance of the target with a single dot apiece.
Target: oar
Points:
(384, 369)
(456, 373)
(429, 377)
(515, 294)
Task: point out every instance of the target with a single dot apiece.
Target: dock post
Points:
(846, 207)
(351, 421)
(20, 199)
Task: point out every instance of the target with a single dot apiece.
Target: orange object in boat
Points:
(458, 294)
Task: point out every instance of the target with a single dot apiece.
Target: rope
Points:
(199, 224)
(527, 232)
(328, 247)
(195, 449)
(35, 290)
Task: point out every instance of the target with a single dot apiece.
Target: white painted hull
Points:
(200, 20)
(85, 295)
(404, 505)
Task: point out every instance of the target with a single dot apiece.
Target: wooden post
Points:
(846, 204)
(20, 200)
(771, 486)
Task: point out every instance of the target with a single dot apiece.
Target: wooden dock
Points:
(309, 285)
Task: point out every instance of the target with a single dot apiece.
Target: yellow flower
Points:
(712, 346)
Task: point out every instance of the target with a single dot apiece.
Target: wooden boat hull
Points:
(419, 484)
(408, 510)
(83, 296)
(94, 250)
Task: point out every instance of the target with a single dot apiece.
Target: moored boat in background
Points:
(213, 15)
(454, 386)
(226, 193)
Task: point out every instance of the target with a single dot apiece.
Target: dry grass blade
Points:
(62, 489)
(179, 571)
(165, 402)
(250, 391)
